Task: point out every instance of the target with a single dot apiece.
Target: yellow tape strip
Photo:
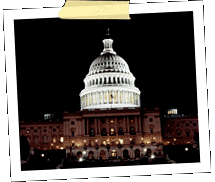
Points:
(95, 10)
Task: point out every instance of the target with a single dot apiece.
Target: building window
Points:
(178, 133)
(150, 119)
(35, 140)
(58, 126)
(178, 125)
(111, 121)
(39, 127)
(73, 133)
(120, 131)
(50, 127)
(44, 130)
(194, 124)
(151, 130)
(61, 129)
(91, 121)
(92, 132)
(132, 130)
(188, 134)
(54, 140)
(187, 124)
(32, 128)
(103, 131)
(61, 139)
(35, 131)
(132, 120)
(104, 142)
(54, 129)
(72, 122)
(112, 131)
(103, 120)
(28, 131)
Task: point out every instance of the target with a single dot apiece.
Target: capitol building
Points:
(110, 123)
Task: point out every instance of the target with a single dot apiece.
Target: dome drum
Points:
(110, 99)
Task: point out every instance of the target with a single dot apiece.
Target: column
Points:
(113, 96)
(82, 127)
(132, 97)
(115, 123)
(140, 130)
(107, 97)
(97, 99)
(136, 126)
(102, 93)
(124, 125)
(118, 96)
(107, 125)
(127, 124)
(85, 123)
(123, 97)
(99, 132)
(96, 126)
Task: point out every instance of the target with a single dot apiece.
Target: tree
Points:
(24, 148)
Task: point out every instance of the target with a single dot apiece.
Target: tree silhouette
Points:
(24, 148)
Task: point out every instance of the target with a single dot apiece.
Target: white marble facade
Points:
(109, 83)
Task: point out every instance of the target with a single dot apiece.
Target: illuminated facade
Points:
(109, 83)
(110, 122)
(179, 129)
(105, 133)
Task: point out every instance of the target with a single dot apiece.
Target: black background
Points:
(53, 57)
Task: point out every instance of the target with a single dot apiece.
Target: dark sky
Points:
(53, 57)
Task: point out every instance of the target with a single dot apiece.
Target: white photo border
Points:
(203, 166)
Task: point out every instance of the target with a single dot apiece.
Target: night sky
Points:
(53, 57)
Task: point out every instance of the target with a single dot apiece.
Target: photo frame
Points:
(17, 174)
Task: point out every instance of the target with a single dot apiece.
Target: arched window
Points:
(105, 81)
(114, 80)
(96, 81)
(118, 80)
(137, 153)
(126, 81)
(93, 82)
(91, 154)
(129, 81)
(122, 80)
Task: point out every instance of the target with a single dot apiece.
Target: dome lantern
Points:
(108, 47)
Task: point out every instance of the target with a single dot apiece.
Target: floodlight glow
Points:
(42, 155)
(152, 156)
(186, 149)
(80, 160)
(84, 152)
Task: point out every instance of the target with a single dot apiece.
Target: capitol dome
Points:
(109, 83)
(108, 63)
